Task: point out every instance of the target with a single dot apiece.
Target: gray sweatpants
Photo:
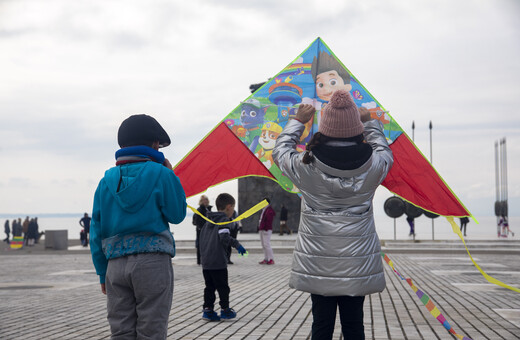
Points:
(139, 295)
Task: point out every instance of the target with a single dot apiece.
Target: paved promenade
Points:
(46, 294)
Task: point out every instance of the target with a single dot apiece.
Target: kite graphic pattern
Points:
(242, 143)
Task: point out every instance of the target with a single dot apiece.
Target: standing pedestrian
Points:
(463, 223)
(32, 232)
(337, 254)
(85, 223)
(7, 231)
(25, 228)
(411, 223)
(16, 230)
(283, 221)
(265, 228)
(204, 208)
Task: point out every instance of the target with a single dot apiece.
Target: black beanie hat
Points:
(141, 130)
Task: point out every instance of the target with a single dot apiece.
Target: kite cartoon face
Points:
(252, 113)
(329, 82)
(270, 132)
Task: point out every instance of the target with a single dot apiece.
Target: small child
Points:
(214, 239)
(131, 242)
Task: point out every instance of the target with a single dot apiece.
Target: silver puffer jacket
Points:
(337, 251)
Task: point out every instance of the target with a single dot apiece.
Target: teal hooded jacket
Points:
(133, 205)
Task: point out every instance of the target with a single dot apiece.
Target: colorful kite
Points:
(242, 143)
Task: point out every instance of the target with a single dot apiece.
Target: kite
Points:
(242, 143)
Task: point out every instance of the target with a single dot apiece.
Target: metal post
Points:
(497, 185)
(503, 167)
(431, 161)
(394, 230)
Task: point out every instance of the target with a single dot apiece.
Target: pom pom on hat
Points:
(141, 130)
(341, 117)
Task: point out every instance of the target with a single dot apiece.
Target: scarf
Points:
(140, 153)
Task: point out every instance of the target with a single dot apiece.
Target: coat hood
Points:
(127, 187)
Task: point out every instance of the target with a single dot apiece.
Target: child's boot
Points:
(227, 314)
(210, 315)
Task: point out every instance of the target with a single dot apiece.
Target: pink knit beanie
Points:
(341, 117)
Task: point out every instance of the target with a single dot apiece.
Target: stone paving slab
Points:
(57, 296)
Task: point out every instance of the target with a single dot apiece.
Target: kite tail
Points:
(246, 214)
(425, 299)
(491, 279)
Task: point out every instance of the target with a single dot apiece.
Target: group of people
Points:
(337, 254)
(29, 229)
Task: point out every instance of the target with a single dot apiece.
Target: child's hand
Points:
(241, 250)
(103, 289)
(305, 113)
(364, 114)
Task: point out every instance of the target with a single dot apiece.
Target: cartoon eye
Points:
(320, 85)
(243, 113)
(272, 136)
(252, 113)
(333, 82)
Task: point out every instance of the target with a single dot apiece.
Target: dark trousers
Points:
(350, 313)
(216, 280)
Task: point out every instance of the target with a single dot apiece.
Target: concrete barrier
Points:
(57, 239)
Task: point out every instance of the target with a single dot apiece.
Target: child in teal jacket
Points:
(131, 242)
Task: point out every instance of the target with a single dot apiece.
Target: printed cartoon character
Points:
(252, 116)
(270, 132)
(329, 76)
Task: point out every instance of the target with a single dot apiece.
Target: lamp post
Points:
(431, 161)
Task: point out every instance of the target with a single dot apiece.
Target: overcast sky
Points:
(71, 71)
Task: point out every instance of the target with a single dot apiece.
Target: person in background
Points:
(283, 221)
(214, 239)
(265, 228)
(411, 223)
(504, 227)
(130, 238)
(7, 231)
(337, 254)
(463, 223)
(32, 231)
(204, 208)
(85, 223)
(25, 228)
(16, 230)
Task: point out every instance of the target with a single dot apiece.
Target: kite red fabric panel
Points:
(413, 178)
(220, 157)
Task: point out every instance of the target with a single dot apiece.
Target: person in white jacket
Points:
(337, 253)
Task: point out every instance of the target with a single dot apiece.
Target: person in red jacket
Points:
(265, 229)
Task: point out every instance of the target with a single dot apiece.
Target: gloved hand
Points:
(241, 250)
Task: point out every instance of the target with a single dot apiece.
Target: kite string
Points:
(246, 214)
(425, 299)
(491, 279)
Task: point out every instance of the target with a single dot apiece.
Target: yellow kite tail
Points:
(491, 279)
(246, 214)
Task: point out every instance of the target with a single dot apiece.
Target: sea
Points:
(387, 228)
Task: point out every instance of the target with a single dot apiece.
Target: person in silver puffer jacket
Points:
(337, 253)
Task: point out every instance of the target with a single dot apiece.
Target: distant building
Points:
(251, 190)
